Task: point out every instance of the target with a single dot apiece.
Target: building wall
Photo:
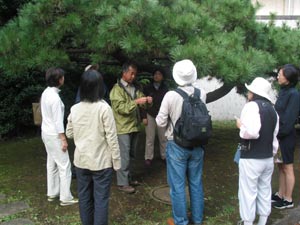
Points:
(280, 7)
(287, 11)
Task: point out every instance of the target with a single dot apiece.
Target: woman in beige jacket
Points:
(92, 125)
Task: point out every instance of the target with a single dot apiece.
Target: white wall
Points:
(228, 106)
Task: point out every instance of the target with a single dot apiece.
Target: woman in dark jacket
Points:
(287, 107)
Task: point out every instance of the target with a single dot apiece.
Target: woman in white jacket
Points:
(258, 130)
(92, 125)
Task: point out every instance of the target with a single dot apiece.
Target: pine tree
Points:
(222, 38)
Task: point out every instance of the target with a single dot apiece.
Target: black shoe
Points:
(275, 197)
(283, 204)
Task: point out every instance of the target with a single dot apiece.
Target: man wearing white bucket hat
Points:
(258, 126)
(182, 163)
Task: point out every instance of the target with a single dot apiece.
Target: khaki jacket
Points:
(92, 126)
(126, 111)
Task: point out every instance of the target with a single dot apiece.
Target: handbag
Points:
(278, 157)
(37, 113)
(237, 154)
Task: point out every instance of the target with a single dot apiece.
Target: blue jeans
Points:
(181, 164)
(93, 192)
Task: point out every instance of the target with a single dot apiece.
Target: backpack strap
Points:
(197, 93)
(184, 95)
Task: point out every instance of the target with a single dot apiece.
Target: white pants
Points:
(58, 168)
(150, 138)
(255, 187)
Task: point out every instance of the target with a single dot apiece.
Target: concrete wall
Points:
(224, 108)
(227, 107)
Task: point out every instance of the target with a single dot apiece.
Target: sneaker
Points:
(135, 183)
(148, 162)
(275, 197)
(170, 221)
(70, 202)
(127, 189)
(52, 198)
(283, 204)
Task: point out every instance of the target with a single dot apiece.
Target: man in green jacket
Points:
(125, 100)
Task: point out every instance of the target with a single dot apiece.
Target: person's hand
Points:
(116, 168)
(141, 100)
(238, 122)
(64, 145)
(149, 99)
(145, 122)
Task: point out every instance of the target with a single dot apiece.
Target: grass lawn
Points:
(23, 177)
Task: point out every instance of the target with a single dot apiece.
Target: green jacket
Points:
(126, 111)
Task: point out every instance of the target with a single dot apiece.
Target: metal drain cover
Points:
(162, 194)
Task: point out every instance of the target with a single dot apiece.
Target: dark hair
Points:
(91, 86)
(258, 97)
(158, 70)
(291, 73)
(53, 75)
(126, 66)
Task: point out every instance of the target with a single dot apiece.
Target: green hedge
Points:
(16, 97)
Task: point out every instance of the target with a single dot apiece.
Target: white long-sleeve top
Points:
(52, 112)
(171, 107)
(251, 124)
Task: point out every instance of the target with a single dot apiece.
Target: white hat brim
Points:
(182, 82)
(262, 94)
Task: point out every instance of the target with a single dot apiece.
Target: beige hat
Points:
(184, 72)
(261, 87)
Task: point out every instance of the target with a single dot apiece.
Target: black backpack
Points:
(194, 126)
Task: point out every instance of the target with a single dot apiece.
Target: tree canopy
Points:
(222, 38)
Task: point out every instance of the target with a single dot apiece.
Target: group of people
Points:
(106, 137)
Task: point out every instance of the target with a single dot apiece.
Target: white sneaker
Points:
(70, 202)
(52, 198)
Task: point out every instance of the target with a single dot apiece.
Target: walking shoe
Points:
(135, 183)
(283, 204)
(70, 202)
(52, 198)
(127, 189)
(275, 197)
(170, 221)
(148, 162)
